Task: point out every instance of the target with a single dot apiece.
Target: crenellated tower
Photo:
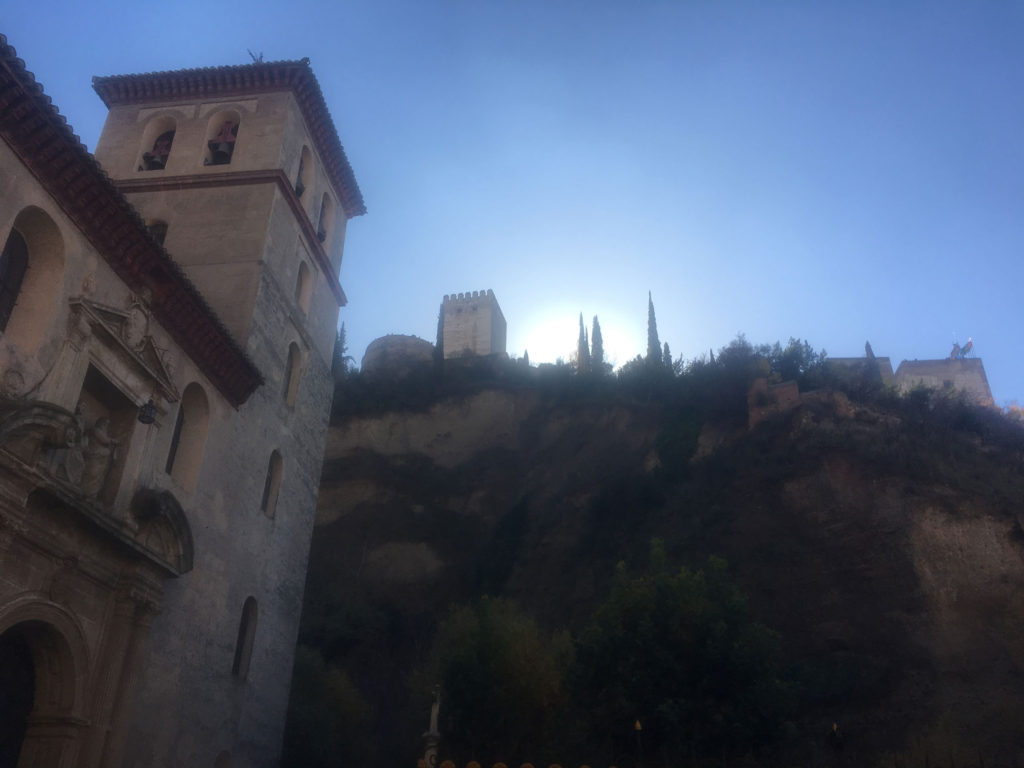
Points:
(472, 324)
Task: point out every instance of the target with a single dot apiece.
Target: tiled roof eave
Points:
(34, 130)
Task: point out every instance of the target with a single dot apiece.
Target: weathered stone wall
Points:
(241, 551)
(967, 375)
(93, 568)
(88, 568)
(396, 355)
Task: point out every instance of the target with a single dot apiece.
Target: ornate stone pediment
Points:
(128, 331)
(163, 528)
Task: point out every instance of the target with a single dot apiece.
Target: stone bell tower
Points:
(239, 173)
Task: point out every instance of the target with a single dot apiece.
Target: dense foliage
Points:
(325, 716)
(501, 677)
(675, 649)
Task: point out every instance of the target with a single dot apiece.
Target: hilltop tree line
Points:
(796, 360)
(589, 355)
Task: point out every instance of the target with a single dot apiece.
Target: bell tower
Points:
(241, 170)
(239, 174)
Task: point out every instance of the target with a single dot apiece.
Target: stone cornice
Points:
(40, 136)
(247, 79)
(241, 178)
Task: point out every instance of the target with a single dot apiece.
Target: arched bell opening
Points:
(221, 135)
(157, 140)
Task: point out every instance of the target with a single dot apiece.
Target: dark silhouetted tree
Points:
(582, 350)
(666, 356)
(501, 679)
(796, 361)
(597, 348)
(439, 346)
(326, 716)
(341, 360)
(679, 651)
(653, 345)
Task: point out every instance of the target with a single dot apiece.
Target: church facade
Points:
(167, 319)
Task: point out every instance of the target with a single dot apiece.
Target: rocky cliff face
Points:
(884, 549)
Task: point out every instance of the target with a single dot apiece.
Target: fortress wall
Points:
(967, 374)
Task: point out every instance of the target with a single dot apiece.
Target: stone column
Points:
(133, 616)
(110, 666)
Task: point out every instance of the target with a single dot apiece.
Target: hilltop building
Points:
(472, 325)
(166, 332)
(966, 374)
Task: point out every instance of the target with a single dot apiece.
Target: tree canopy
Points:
(679, 652)
(501, 678)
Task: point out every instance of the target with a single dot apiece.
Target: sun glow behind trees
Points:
(552, 335)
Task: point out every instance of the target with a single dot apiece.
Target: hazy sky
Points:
(838, 172)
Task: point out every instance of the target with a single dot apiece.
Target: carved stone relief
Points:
(87, 456)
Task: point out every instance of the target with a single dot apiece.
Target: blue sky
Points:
(838, 172)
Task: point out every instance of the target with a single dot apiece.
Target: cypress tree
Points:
(439, 346)
(597, 348)
(666, 356)
(340, 360)
(582, 350)
(653, 345)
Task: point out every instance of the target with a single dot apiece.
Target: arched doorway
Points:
(17, 693)
(43, 661)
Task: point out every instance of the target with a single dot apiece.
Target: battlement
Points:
(472, 325)
(470, 296)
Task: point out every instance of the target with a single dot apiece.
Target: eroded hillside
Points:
(879, 539)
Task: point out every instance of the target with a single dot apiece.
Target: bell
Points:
(221, 153)
(154, 162)
(299, 188)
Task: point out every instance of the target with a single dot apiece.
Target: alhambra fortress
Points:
(168, 311)
(473, 325)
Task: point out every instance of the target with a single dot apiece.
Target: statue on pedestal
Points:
(433, 736)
